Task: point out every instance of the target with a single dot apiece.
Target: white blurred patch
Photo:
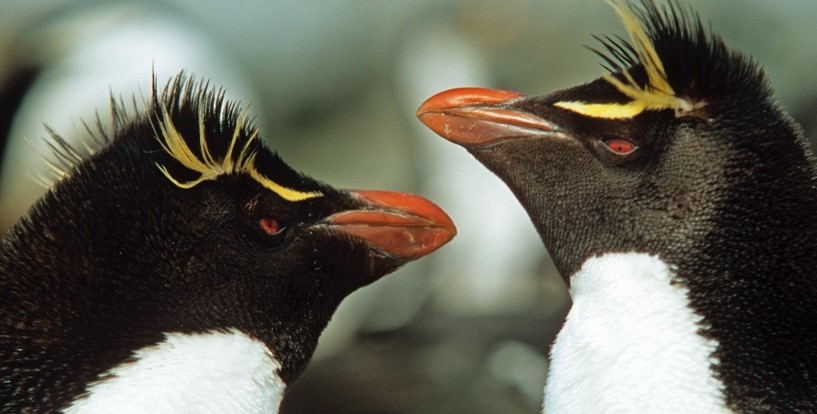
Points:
(490, 267)
(520, 367)
(93, 53)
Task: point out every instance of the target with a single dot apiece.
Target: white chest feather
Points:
(217, 372)
(631, 344)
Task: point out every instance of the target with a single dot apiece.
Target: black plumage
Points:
(680, 152)
(183, 221)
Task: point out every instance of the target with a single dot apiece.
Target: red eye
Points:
(620, 146)
(271, 226)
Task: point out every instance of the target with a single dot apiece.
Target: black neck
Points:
(755, 279)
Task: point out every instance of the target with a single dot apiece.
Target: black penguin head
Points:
(272, 215)
(642, 158)
(185, 222)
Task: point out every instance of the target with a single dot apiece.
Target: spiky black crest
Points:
(204, 134)
(695, 63)
(188, 115)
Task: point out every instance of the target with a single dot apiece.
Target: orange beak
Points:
(479, 116)
(405, 226)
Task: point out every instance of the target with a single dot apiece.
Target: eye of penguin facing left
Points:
(620, 146)
(270, 226)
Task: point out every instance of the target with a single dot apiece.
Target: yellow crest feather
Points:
(209, 167)
(657, 93)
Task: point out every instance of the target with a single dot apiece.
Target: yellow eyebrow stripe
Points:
(604, 110)
(286, 193)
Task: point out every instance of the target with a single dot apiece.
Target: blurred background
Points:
(334, 86)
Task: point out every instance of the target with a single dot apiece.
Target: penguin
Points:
(184, 267)
(678, 200)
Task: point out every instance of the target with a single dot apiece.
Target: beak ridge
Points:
(480, 116)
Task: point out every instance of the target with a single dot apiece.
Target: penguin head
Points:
(185, 222)
(643, 158)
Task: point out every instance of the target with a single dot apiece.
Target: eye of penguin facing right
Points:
(703, 297)
(270, 226)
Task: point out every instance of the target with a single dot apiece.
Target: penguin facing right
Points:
(185, 268)
(679, 203)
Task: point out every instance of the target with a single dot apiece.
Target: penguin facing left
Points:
(679, 202)
(184, 267)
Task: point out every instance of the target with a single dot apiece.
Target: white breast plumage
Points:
(631, 344)
(214, 372)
